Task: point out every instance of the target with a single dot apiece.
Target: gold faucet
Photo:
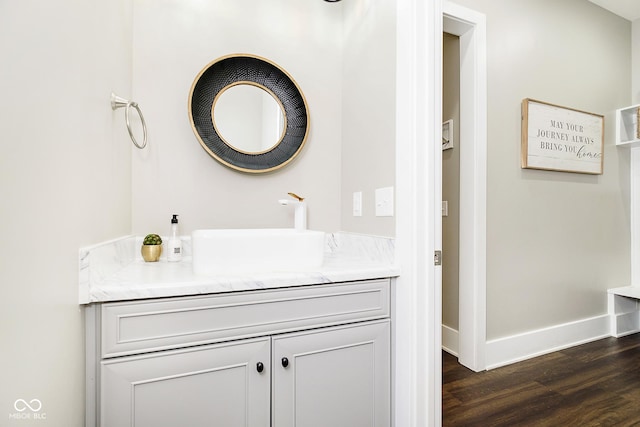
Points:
(295, 196)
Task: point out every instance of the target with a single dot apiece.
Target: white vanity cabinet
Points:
(300, 356)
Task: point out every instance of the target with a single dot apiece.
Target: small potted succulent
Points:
(151, 248)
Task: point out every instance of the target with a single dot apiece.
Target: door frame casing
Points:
(417, 306)
(470, 27)
(417, 302)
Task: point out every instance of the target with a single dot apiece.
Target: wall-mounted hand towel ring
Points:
(118, 102)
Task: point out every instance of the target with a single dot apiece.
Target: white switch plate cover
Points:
(357, 203)
(445, 208)
(384, 201)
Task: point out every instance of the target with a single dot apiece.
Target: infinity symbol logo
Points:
(21, 405)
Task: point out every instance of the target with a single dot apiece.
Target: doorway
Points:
(451, 147)
(470, 27)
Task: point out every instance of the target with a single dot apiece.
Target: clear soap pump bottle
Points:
(174, 252)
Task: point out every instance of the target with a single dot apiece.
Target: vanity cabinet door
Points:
(338, 377)
(216, 385)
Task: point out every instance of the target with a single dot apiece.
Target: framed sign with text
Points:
(561, 139)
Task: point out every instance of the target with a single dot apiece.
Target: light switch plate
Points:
(384, 201)
(357, 203)
(445, 208)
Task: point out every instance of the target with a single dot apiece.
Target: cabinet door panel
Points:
(338, 377)
(201, 386)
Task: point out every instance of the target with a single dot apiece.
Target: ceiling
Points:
(629, 9)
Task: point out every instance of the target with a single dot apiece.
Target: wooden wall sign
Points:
(561, 139)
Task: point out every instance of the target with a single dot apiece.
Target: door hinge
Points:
(437, 258)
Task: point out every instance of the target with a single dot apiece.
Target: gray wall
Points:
(173, 40)
(555, 241)
(65, 182)
(451, 180)
(368, 112)
(342, 56)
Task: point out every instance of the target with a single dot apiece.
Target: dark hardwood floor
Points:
(595, 384)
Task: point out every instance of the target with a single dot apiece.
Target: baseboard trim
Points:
(515, 348)
(450, 340)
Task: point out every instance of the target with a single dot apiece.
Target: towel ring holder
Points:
(118, 102)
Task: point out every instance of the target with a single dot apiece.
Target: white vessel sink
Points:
(256, 250)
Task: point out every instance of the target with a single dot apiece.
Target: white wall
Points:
(173, 41)
(555, 241)
(368, 111)
(65, 182)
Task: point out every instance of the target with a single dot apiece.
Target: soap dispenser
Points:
(174, 245)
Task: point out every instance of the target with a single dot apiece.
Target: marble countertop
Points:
(114, 270)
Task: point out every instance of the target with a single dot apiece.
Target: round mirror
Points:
(231, 131)
(248, 118)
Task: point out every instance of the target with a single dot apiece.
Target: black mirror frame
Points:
(236, 69)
